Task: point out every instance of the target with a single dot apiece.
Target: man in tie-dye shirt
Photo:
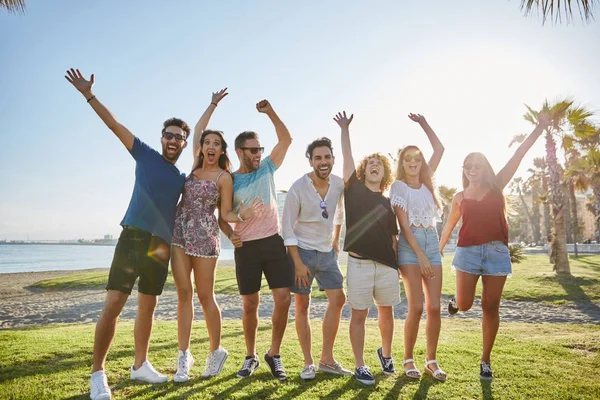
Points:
(263, 249)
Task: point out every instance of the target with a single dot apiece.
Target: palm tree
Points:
(540, 174)
(446, 195)
(518, 186)
(533, 185)
(557, 112)
(13, 6)
(556, 9)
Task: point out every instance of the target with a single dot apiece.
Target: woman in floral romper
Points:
(196, 241)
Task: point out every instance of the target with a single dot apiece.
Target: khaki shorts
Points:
(369, 280)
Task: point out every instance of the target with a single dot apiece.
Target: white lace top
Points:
(418, 204)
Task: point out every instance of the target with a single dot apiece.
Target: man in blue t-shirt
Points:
(143, 249)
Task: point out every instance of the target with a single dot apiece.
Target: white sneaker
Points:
(99, 389)
(214, 362)
(147, 373)
(309, 372)
(185, 362)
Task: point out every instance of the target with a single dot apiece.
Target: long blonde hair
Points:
(425, 174)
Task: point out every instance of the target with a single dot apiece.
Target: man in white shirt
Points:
(312, 220)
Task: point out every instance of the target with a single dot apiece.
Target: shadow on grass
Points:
(486, 390)
(80, 358)
(394, 392)
(424, 385)
(572, 285)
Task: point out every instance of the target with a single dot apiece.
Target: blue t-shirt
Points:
(158, 185)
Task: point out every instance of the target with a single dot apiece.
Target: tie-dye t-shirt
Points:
(258, 183)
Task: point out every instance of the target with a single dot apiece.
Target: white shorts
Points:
(368, 280)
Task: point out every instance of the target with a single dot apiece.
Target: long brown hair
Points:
(489, 176)
(223, 161)
(425, 174)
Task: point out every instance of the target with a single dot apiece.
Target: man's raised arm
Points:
(284, 139)
(85, 87)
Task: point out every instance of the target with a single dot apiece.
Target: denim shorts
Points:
(322, 266)
(491, 258)
(428, 241)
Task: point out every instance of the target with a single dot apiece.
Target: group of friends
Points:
(171, 217)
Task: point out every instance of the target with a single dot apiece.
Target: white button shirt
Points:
(303, 224)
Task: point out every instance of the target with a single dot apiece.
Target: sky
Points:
(468, 66)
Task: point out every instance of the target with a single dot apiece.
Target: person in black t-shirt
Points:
(371, 243)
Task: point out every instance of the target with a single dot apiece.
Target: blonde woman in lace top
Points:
(413, 199)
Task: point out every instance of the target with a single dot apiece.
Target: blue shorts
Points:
(322, 266)
(428, 241)
(491, 258)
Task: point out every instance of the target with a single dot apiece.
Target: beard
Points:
(322, 174)
(173, 157)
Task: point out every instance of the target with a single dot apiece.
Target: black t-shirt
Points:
(370, 223)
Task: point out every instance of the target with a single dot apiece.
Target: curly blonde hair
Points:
(387, 179)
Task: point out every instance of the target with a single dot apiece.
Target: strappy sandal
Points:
(416, 374)
(438, 374)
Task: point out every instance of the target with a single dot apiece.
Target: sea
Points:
(61, 257)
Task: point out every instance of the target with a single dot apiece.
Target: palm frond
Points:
(555, 10)
(13, 6)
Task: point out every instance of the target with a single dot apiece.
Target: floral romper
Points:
(196, 227)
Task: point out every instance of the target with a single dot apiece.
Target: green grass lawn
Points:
(531, 280)
(531, 361)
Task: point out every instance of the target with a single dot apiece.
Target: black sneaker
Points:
(387, 364)
(363, 375)
(452, 307)
(485, 372)
(276, 366)
(250, 365)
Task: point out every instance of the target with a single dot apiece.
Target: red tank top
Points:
(483, 221)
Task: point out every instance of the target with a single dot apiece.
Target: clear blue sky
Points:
(468, 66)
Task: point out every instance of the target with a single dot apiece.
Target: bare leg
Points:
(411, 276)
(204, 276)
(433, 292)
(107, 326)
(281, 299)
(357, 335)
(490, 304)
(331, 322)
(250, 321)
(143, 327)
(465, 289)
(303, 328)
(182, 274)
(386, 328)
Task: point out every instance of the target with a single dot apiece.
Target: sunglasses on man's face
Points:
(254, 150)
(323, 206)
(177, 136)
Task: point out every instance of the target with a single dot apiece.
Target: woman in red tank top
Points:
(482, 248)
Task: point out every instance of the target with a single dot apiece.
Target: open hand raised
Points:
(417, 118)
(218, 96)
(76, 79)
(342, 120)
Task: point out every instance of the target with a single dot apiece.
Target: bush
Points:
(517, 253)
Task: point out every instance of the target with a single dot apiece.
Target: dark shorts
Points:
(139, 253)
(266, 255)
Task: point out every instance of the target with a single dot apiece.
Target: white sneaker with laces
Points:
(147, 373)
(309, 372)
(214, 362)
(185, 362)
(99, 389)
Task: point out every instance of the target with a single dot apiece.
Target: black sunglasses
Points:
(254, 150)
(177, 136)
(323, 206)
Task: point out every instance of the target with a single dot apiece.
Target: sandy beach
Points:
(23, 306)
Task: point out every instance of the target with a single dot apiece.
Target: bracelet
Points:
(91, 98)
(212, 102)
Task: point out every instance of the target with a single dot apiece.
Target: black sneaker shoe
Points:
(250, 365)
(363, 375)
(485, 372)
(387, 364)
(452, 307)
(276, 366)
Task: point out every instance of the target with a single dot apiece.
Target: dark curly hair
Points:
(320, 142)
(179, 123)
(387, 170)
